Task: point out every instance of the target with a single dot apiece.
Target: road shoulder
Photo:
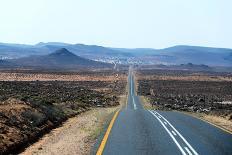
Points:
(75, 136)
(219, 122)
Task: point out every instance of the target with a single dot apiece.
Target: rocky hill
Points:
(60, 59)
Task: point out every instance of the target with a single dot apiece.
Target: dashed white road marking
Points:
(131, 91)
(165, 123)
(135, 107)
(131, 87)
(173, 133)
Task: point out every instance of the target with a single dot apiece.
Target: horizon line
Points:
(113, 47)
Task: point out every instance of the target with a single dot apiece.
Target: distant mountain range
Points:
(7, 64)
(60, 59)
(87, 51)
(169, 56)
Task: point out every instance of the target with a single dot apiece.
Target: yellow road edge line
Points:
(225, 130)
(105, 138)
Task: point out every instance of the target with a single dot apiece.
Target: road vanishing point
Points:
(137, 131)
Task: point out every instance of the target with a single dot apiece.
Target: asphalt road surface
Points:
(137, 131)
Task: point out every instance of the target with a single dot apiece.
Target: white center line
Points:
(131, 87)
(165, 123)
(173, 138)
(135, 107)
(188, 151)
(194, 151)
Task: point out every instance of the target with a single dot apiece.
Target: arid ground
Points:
(205, 94)
(32, 102)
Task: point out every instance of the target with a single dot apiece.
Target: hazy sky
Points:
(118, 23)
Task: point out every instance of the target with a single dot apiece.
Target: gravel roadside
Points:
(76, 136)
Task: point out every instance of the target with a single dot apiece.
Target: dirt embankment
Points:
(20, 123)
(76, 136)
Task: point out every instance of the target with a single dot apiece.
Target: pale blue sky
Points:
(118, 23)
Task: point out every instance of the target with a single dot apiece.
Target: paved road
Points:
(137, 131)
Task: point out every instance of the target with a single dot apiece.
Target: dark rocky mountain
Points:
(86, 51)
(61, 58)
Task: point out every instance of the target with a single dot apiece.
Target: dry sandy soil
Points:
(76, 136)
